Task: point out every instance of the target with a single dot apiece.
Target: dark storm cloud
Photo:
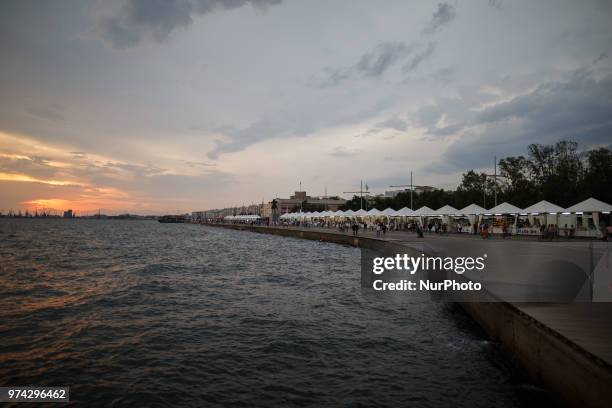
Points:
(444, 14)
(258, 131)
(384, 56)
(372, 64)
(601, 57)
(287, 125)
(126, 23)
(393, 123)
(579, 103)
(454, 111)
(376, 62)
(444, 75)
(495, 4)
(578, 108)
(419, 57)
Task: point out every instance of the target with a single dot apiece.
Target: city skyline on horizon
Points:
(173, 107)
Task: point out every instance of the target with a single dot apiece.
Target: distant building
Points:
(265, 210)
(423, 189)
(213, 214)
(394, 193)
(68, 214)
(297, 201)
(217, 213)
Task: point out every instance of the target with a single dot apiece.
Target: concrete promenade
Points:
(566, 347)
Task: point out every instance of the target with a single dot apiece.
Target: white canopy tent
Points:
(543, 212)
(589, 208)
(499, 211)
(424, 211)
(582, 219)
(404, 212)
(472, 212)
(543, 207)
(590, 205)
(373, 212)
(447, 210)
(505, 208)
(388, 212)
(473, 209)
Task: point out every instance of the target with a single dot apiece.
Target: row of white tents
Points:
(590, 205)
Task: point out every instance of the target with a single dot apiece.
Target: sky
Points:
(172, 106)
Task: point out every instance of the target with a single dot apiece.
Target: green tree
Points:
(598, 175)
(516, 186)
(353, 204)
(474, 188)
(557, 171)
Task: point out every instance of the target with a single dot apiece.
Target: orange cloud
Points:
(29, 179)
(35, 174)
(47, 203)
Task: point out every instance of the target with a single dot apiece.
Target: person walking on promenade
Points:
(377, 229)
(552, 232)
(504, 230)
(485, 231)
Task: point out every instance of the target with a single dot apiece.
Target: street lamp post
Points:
(361, 191)
(411, 188)
(494, 176)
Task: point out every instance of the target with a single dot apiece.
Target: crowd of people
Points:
(380, 227)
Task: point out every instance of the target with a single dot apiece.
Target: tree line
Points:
(559, 173)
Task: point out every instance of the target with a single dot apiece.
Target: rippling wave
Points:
(137, 313)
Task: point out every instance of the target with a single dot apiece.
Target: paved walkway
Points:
(588, 325)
